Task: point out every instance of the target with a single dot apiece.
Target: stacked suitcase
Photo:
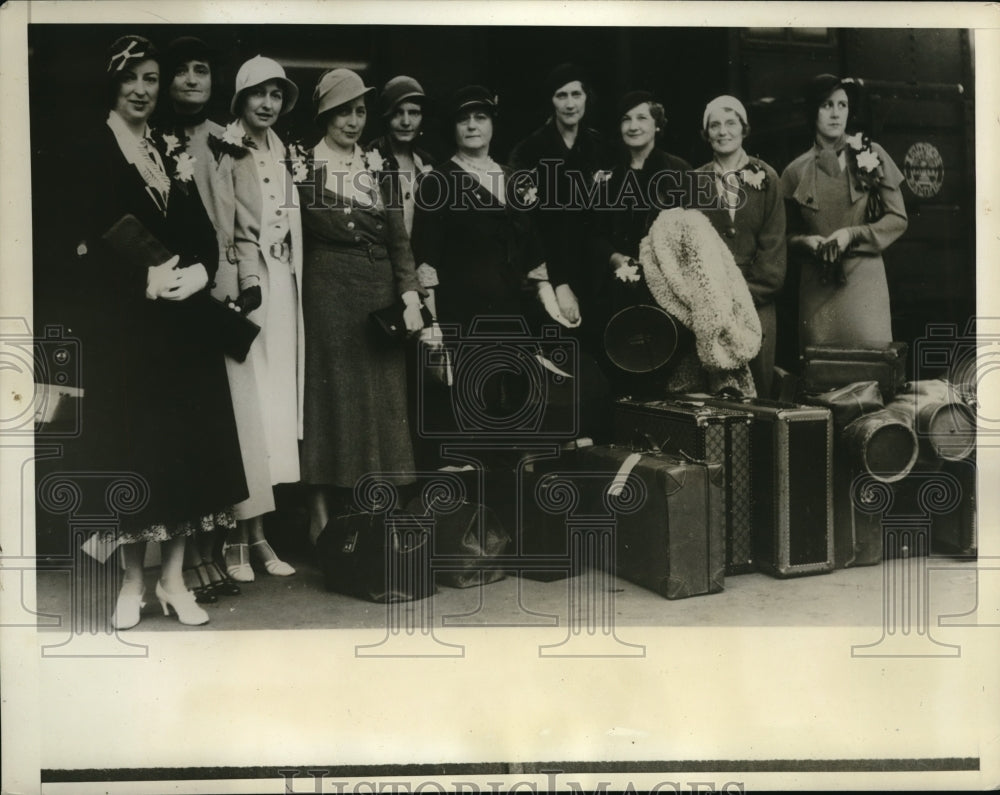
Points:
(776, 460)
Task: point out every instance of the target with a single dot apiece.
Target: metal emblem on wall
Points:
(924, 169)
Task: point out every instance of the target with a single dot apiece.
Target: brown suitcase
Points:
(826, 367)
(685, 425)
(670, 531)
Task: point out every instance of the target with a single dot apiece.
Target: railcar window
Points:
(823, 37)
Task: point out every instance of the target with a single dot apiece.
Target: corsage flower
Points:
(185, 167)
(869, 174)
(754, 176)
(602, 175)
(628, 272)
(374, 161)
(233, 141)
(297, 163)
(172, 143)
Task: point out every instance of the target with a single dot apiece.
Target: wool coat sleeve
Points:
(875, 237)
(397, 241)
(766, 274)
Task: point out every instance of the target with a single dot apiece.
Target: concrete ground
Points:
(848, 597)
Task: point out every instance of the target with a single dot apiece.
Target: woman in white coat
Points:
(263, 279)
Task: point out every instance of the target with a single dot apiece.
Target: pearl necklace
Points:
(478, 166)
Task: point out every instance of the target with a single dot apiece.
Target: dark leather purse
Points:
(389, 320)
(131, 242)
(376, 557)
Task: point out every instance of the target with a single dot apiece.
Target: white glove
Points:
(190, 280)
(568, 305)
(548, 298)
(161, 278)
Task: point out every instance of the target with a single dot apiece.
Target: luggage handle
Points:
(650, 445)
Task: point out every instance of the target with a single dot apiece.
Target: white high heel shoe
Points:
(238, 566)
(128, 609)
(184, 606)
(272, 563)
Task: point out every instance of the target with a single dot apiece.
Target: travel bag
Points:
(826, 367)
(791, 488)
(669, 519)
(683, 424)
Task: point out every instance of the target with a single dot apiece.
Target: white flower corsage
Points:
(602, 175)
(233, 134)
(374, 161)
(628, 272)
(754, 176)
(185, 167)
(297, 163)
(172, 142)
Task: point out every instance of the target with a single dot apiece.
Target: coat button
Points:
(276, 212)
(357, 238)
(347, 211)
(81, 250)
(731, 232)
(350, 224)
(809, 199)
(267, 179)
(378, 227)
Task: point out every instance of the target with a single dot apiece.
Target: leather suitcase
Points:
(671, 537)
(826, 367)
(685, 425)
(791, 473)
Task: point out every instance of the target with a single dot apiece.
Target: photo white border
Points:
(302, 698)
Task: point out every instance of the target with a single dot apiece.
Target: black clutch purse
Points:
(389, 320)
(129, 239)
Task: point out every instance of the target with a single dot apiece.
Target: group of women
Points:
(307, 242)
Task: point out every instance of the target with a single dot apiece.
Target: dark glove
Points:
(831, 263)
(249, 299)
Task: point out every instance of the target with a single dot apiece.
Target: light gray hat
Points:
(259, 70)
(337, 87)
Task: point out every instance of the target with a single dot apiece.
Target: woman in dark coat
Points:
(844, 207)
(478, 249)
(749, 214)
(157, 397)
(473, 235)
(357, 259)
(645, 182)
(565, 158)
(402, 105)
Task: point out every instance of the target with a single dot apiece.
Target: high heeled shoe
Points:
(128, 609)
(222, 584)
(204, 591)
(272, 563)
(183, 604)
(238, 564)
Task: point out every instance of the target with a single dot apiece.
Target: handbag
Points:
(131, 242)
(374, 557)
(389, 320)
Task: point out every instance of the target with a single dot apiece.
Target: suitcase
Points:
(671, 537)
(551, 489)
(791, 488)
(826, 367)
(682, 424)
